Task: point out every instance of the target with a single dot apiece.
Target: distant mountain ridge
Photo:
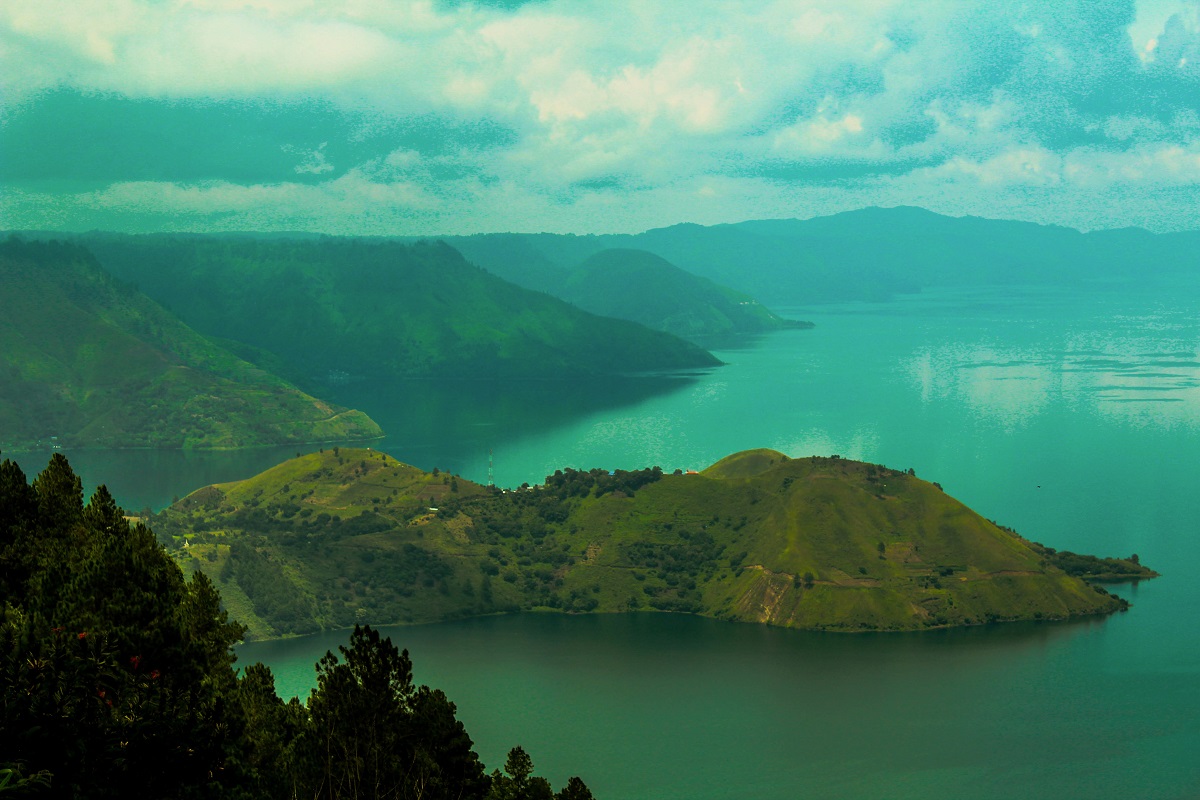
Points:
(870, 253)
(381, 309)
(88, 362)
(866, 254)
(331, 538)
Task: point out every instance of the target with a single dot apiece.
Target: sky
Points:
(592, 116)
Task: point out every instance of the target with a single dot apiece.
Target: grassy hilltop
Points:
(94, 362)
(344, 536)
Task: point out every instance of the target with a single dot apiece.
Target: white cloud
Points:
(402, 159)
(1027, 166)
(1002, 105)
(1164, 31)
(1149, 165)
(825, 136)
(1083, 168)
(199, 49)
(89, 30)
(971, 124)
(1125, 127)
(238, 206)
(312, 161)
(237, 54)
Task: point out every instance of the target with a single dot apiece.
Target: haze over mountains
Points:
(306, 309)
(867, 254)
(642, 287)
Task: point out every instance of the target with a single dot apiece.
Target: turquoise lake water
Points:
(1074, 418)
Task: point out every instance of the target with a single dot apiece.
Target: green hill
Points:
(95, 363)
(339, 537)
(640, 286)
(380, 309)
(620, 282)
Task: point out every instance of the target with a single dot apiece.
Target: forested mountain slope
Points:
(381, 309)
(88, 361)
(621, 282)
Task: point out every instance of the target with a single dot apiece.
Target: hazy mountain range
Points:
(869, 254)
(202, 319)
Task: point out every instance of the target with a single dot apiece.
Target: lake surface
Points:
(1073, 418)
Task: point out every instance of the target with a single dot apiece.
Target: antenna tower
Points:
(491, 470)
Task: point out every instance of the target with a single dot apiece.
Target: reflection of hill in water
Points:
(1135, 361)
(453, 421)
(593, 642)
(445, 423)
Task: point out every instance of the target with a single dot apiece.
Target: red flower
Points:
(135, 661)
(154, 674)
(83, 635)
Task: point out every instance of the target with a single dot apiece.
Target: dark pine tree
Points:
(112, 667)
(374, 734)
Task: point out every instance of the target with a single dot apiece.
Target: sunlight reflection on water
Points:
(1137, 369)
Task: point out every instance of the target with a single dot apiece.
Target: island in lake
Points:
(345, 536)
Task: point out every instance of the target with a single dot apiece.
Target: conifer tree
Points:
(519, 783)
(112, 667)
(575, 789)
(18, 516)
(59, 497)
(374, 734)
(271, 730)
(117, 680)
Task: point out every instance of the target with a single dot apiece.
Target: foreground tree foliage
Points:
(117, 680)
(372, 733)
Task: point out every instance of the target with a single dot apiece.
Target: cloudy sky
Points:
(390, 116)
